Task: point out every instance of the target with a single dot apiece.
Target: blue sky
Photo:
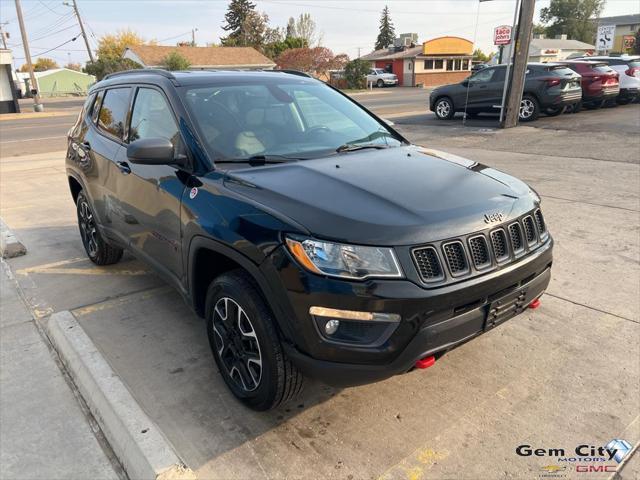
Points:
(345, 24)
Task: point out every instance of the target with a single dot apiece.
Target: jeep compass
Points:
(312, 237)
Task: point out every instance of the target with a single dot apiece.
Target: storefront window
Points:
(439, 65)
(450, 65)
(428, 64)
(465, 64)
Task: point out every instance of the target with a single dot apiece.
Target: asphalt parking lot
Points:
(563, 375)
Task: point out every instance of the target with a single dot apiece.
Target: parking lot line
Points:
(52, 268)
(120, 301)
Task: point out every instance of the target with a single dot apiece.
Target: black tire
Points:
(529, 109)
(576, 107)
(238, 345)
(554, 111)
(97, 249)
(380, 83)
(623, 101)
(443, 108)
(593, 105)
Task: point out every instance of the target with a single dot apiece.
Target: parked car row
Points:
(549, 88)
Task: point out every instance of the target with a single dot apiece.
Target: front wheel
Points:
(380, 83)
(444, 109)
(246, 345)
(98, 250)
(529, 109)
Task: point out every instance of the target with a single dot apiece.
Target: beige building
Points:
(626, 28)
(556, 49)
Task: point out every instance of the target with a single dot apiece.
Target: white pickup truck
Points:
(380, 78)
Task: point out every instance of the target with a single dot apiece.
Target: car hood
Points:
(396, 196)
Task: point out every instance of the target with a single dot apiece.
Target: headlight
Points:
(344, 261)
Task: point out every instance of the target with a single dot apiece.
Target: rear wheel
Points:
(444, 108)
(529, 109)
(245, 344)
(624, 100)
(98, 250)
(554, 111)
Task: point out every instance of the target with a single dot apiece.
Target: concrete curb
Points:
(10, 246)
(28, 115)
(139, 444)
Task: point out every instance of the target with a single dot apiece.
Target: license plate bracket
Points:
(506, 307)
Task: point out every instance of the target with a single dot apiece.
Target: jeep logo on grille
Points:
(493, 217)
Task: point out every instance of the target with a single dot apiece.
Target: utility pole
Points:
(193, 36)
(84, 34)
(37, 106)
(520, 59)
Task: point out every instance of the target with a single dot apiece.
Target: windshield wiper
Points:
(352, 147)
(257, 160)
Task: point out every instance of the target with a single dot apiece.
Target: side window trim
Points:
(107, 134)
(95, 109)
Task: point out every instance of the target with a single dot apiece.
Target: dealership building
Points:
(437, 61)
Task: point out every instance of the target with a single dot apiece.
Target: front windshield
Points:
(293, 119)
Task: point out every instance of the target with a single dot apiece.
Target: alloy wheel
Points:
(443, 108)
(527, 108)
(88, 229)
(237, 344)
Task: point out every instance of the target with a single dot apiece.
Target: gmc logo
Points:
(493, 217)
(596, 468)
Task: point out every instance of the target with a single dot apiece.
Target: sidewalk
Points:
(44, 432)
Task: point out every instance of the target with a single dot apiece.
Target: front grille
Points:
(499, 244)
(466, 256)
(456, 258)
(529, 230)
(479, 252)
(515, 232)
(428, 264)
(542, 227)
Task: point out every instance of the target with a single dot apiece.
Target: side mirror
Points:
(151, 151)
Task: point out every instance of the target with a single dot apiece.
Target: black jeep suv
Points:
(312, 237)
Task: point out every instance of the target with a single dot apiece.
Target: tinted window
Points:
(498, 76)
(602, 69)
(152, 117)
(113, 113)
(484, 75)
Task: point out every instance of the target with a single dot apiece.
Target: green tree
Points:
(387, 33)
(291, 28)
(235, 18)
(480, 56)
(305, 28)
(102, 67)
(274, 49)
(175, 61)
(573, 18)
(355, 73)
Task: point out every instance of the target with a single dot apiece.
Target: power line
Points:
(54, 48)
(173, 38)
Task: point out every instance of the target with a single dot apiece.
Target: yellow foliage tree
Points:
(41, 65)
(111, 47)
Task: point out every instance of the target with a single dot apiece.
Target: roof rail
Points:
(155, 71)
(291, 72)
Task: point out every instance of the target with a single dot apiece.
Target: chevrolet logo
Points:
(553, 468)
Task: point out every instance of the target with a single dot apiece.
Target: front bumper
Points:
(629, 93)
(433, 320)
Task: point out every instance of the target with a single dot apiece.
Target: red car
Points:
(599, 82)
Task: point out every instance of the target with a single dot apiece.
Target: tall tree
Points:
(41, 65)
(235, 19)
(291, 28)
(387, 32)
(573, 18)
(305, 28)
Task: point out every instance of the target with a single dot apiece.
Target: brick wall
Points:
(435, 79)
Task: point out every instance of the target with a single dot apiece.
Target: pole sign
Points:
(628, 41)
(502, 35)
(606, 34)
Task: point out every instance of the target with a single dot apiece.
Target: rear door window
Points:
(113, 113)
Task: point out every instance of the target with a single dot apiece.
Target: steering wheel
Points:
(318, 129)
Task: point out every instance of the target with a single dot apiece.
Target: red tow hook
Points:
(535, 304)
(426, 362)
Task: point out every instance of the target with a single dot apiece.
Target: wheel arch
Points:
(208, 259)
(75, 186)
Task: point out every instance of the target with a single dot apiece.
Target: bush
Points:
(101, 68)
(356, 73)
(175, 61)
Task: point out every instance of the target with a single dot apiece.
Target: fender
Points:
(199, 242)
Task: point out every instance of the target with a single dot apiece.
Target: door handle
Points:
(124, 167)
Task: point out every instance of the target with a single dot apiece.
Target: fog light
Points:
(331, 327)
